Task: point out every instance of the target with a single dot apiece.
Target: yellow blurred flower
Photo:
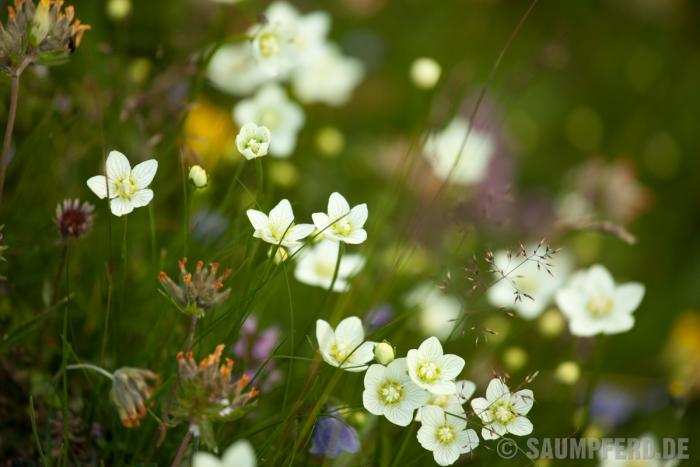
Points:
(210, 133)
(683, 354)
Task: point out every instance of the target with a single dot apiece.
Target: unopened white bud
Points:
(198, 176)
(384, 353)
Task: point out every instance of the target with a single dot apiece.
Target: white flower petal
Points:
(350, 331)
(481, 408)
(493, 431)
(465, 390)
(355, 237)
(358, 216)
(627, 297)
(441, 387)
(432, 415)
(467, 441)
(141, 198)
(144, 172)
(338, 207)
(258, 219)
(239, 454)
(520, 426)
(204, 459)
(321, 221)
(371, 402)
(398, 415)
(430, 349)
(98, 185)
(120, 206)
(496, 390)
(522, 401)
(426, 437)
(299, 232)
(451, 366)
(446, 455)
(118, 166)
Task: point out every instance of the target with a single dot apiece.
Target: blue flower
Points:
(332, 435)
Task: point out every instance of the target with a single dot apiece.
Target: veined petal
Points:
(398, 415)
(481, 408)
(143, 173)
(324, 334)
(299, 232)
(337, 206)
(452, 366)
(432, 415)
(321, 221)
(98, 185)
(446, 454)
(258, 219)
(118, 166)
(467, 441)
(496, 390)
(355, 237)
(282, 216)
(493, 431)
(349, 331)
(520, 426)
(142, 198)
(426, 437)
(522, 401)
(430, 349)
(358, 216)
(441, 388)
(371, 402)
(465, 390)
(120, 206)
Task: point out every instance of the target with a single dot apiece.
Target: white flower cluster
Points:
(285, 46)
(589, 298)
(317, 263)
(423, 387)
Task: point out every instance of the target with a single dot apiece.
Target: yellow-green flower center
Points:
(445, 434)
(343, 227)
(503, 413)
(341, 352)
(428, 372)
(269, 44)
(391, 392)
(125, 188)
(600, 305)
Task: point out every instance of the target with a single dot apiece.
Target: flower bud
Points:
(384, 353)
(253, 141)
(40, 23)
(425, 72)
(198, 176)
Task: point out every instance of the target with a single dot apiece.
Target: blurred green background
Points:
(616, 81)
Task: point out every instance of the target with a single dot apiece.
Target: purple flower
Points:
(332, 436)
(378, 317)
(611, 405)
(254, 348)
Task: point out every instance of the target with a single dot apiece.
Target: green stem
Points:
(90, 366)
(259, 189)
(152, 225)
(64, 362)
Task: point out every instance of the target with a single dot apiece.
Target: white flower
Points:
(329, 78)
(278, 228)
(437, 311)
(272, 108)
(442, 151)
(452, 403)
(253, 141)
(233, 70)
(425, 72)
(641, 452)
(239, 454)
(342, 223)
(345, 347)
(198, 176)
(128, 188)
(447, 437)
(431, 370)
(310, 30)
(316, 266)
(594, 304)
(502, 411)
(526, 277)
(390, 392)
(274, 49)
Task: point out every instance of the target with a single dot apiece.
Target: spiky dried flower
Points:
(198, 292)
(45, 33)
(74, 219)
(210, 393)
(130, 392)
